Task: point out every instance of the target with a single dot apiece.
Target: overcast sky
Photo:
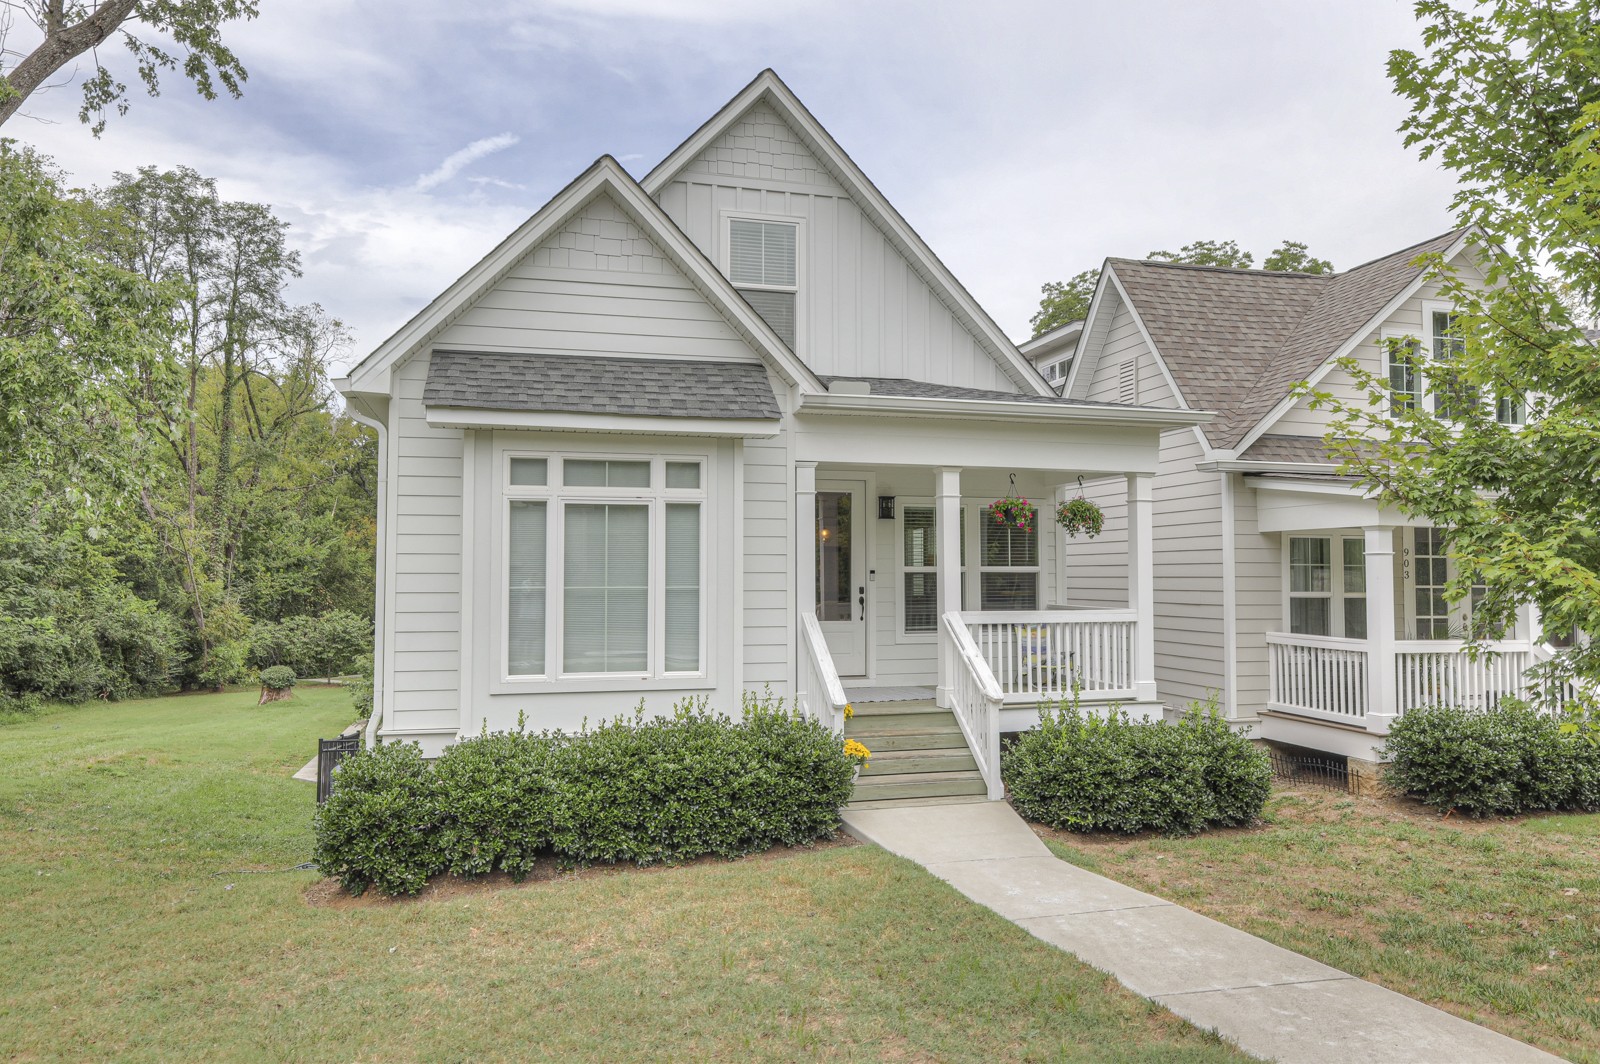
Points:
(1024, 141)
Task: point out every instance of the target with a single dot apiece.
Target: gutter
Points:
(1234, 465)
(999, 409)
(379, 694)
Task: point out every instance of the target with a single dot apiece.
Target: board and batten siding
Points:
(425, 584)
(863, 308)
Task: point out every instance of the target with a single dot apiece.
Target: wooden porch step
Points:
(908, 803)
(918, 785)
(926, 742)
(885, 709)
(886, 763)
(930, 721)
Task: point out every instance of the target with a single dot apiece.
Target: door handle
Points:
(861, 601)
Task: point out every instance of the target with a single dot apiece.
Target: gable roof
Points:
(1235, 341)
(590, 384)
(605, 177)
(767, 87)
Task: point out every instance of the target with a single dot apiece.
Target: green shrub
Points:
(326, 644)
(278, 678)
(633, 789)
(1506, 760)
(1081, 772)
(497, 801)
(361, 693)
(380, 826)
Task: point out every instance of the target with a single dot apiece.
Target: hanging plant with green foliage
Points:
(1080, 515)
(1013, 512)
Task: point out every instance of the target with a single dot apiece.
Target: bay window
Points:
(604, 566)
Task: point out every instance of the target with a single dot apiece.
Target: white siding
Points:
(598, 286)
(768, 612)
(1124, 350)
(1258, 578)
(863, 307)
(1188, 574)
(425, 584)
(1096, 570)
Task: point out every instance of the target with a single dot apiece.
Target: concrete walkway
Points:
(1271, 1002)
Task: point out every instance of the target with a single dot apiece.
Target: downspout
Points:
(379, 615)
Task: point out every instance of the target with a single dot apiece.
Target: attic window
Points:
(763, 266)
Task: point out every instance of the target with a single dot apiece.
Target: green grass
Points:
(144, 920)
(1496, 921)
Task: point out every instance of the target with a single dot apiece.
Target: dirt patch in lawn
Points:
(326, 893)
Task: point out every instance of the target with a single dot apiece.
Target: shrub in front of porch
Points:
(635, 789)
(1498, 762)
(1081, 772)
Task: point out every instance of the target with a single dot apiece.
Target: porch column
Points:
(947, 550)
(1382, 693)
(1141, 582)
(805, 559)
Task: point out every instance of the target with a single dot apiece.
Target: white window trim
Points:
(557, 497)
(725, 262)
(1428, 396)
(975, 531)
(902, 634)
(1336, 593)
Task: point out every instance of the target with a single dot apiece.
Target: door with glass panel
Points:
(842, 549)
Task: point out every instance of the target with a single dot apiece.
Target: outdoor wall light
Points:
(886, 507)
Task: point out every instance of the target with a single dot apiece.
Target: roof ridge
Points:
(1251, 270)
(1409, 247)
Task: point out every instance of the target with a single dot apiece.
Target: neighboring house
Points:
(730, 427)
(1280, 587)
(1051, 353)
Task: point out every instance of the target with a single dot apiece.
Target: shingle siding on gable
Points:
(864, 309)
(761, 145)
(597, 286)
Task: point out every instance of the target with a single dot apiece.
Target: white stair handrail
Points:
(976, 698)
(821, 695)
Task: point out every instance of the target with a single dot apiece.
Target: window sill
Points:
(603, 684)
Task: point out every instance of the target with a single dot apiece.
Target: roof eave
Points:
(999, 410)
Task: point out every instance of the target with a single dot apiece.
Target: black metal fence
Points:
(329, 753)
(1325, 772)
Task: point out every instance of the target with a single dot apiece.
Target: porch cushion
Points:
(589, 384)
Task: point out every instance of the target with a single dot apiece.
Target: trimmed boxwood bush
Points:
(379, 827)
(1081, 772)
(633, 789)
(1506, 760)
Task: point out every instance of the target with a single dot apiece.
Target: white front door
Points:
(842, 548)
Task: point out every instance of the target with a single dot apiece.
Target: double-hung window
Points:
(1008, 572)
(763, 264)
(1310, 585)
(919, 567)
(1403, 354)
(604, 566)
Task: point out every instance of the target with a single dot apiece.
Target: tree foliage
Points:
(180, 468)
(161, 35)
(1507, 96)
(1065, 302)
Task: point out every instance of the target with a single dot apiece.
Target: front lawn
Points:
(1497, 921)
(147, 918)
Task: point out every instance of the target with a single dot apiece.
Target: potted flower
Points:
(1080, 515)
(858, 753)
(1013, 512)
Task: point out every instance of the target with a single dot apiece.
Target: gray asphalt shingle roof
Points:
(1236, 340)
(589, 384)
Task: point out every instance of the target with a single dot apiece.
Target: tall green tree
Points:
(161, 35)
(1064, 302)
(1506, 95)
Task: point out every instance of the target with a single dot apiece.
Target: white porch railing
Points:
(1431, 672)
(1318, 676)
(820, 695)
(975, 698)
(1038, 656)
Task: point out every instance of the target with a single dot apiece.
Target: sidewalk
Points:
(1271, 1002)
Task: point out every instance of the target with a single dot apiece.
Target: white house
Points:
(729, 427)
(1280, 587)
(1051, 352)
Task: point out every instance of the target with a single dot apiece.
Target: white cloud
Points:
(458, 161)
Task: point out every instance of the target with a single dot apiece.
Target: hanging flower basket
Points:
(1080, 515)
(1013, 512)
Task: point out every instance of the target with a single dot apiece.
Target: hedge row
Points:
(1081, 772)
(1507, 760)
(639, 790)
